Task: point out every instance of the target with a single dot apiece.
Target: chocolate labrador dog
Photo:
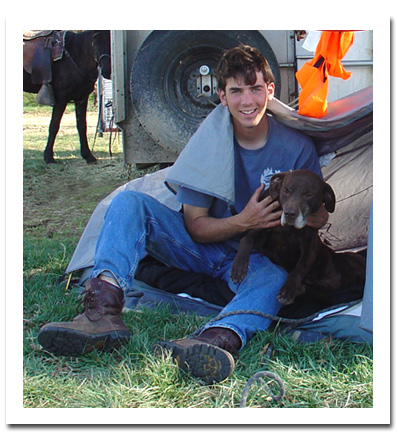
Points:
(297, 247)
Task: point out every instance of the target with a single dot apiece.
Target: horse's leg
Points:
(81, 122)
(58, 111)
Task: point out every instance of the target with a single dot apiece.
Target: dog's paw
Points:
(285, 296)
(292, 288)
(238, 272)
(300, 290)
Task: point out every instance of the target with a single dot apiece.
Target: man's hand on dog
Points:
(265, 214)
(261, 214)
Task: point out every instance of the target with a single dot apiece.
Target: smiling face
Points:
(247, 103)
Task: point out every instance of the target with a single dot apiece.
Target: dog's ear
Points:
(275, 185)
(329, 198)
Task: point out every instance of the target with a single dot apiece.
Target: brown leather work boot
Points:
(223, 338)
(206, 356)
(99, 326)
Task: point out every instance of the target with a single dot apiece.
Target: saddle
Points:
(40, 49)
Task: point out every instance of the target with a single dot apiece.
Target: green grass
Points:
(58, 202)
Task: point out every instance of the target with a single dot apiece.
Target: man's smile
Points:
(248, 112)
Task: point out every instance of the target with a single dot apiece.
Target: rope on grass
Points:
(274, 318)
(259, 377)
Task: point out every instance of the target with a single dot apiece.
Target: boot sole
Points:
(209, 363)
(66, 342)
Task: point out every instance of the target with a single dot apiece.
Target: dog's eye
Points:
(286, 190)
(308, 195)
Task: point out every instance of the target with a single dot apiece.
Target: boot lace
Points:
(90, 303)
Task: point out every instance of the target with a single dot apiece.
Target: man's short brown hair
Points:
(243, 61)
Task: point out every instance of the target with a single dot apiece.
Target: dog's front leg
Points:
(294, 285)
(242, 257)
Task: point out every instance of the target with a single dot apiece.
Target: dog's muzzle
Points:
(293, 219)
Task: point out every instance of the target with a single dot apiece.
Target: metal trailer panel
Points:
(118, 74)
(138, 146)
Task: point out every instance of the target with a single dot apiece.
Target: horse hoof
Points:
(50, 161)
(91, 160)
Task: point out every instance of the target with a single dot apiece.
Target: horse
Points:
(72, 78)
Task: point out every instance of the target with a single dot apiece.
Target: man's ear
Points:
(275, 185)
(222, 96)
(271, 91)
(329, 198)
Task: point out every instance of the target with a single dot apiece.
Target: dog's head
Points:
(300, 193)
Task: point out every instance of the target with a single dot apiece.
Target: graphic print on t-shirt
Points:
(266, 176)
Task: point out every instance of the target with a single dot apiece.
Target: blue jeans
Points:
(136, 223)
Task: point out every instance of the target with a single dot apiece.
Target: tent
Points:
(344, 142)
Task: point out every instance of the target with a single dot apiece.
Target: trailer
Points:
(164, 85)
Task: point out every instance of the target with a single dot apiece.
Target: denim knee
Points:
(124, 199)
(127, 204)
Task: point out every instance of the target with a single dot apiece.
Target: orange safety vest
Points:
(313, 77)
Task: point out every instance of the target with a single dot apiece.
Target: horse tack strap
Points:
(58, 45)
(84, 74)
(53, 39)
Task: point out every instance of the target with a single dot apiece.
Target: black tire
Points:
(164, 78)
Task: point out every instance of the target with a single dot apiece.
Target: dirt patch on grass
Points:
(59, 199)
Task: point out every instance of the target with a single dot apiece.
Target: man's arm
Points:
(257, 214)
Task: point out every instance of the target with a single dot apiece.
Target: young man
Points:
(226, 164)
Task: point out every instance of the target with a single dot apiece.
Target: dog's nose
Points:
(290, 214)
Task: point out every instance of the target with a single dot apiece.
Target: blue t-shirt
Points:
(285, 149)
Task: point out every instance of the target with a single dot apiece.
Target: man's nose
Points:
(247, 98)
